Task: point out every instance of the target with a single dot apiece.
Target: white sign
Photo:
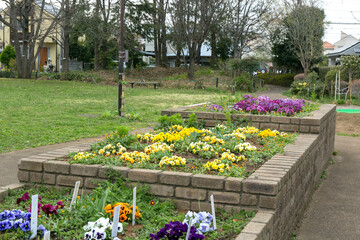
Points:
(76, 190)
(213, 210)
(47, 235)
(34, 215)
(114, 229)
(191, 222)
(134, 206)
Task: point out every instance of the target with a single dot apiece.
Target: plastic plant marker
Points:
(115, 221)
(34, 215)
(134, 206)
(213, 210)
(76, 190)
(47, 235)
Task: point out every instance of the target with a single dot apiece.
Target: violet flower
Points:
(25, 226)
(23, 198)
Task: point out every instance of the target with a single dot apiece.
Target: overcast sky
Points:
(341, 11)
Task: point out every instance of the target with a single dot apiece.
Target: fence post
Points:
(217, 82)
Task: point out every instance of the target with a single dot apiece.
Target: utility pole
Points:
(121, 56)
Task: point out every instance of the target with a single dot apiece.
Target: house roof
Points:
(353, 49)
(328, 46)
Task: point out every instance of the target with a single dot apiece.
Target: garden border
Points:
(282, 186)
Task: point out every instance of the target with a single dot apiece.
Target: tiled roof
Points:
(327, 45)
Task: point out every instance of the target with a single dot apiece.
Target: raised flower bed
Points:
(281, 187)
(91, 217)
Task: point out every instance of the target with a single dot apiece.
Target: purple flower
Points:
(27, 216)
(216, 107)
(17, 213)
(175, 230)
(42, 228)
(5, 225)
(17, 223)
(25, 226)
(60, 204)
(23, 198)
(49, 209)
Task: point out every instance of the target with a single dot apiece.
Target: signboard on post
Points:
(124, 55)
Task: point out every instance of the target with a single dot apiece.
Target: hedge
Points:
(284, 80)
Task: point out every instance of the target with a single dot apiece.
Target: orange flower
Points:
(108, 207)
(131, 208)
(137, 215)
(123, 218)
(116, 204)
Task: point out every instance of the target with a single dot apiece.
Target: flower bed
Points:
(92, 215)
(261, 105)
(223, 150)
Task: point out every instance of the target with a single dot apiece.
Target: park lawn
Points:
(40, 112)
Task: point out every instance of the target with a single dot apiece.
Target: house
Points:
(327, 47)
(345, 40)
(50, 49)
(334, 56)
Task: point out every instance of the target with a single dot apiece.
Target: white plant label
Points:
(134, 206)
(75, 194)
(34, 215)
(47, 235)
(213, 210)
(115, 221)
(191, 222)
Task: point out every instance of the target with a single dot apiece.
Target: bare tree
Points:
(69, 10)
(27, 32)
(246, 22)
(193, 20)
(160, 35)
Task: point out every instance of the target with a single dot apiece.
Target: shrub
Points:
(166, 121)
(206, 72)
(192, 121)
(284, 80)
(243, 80)
(77, 76)
(7, 54)
(311, 86)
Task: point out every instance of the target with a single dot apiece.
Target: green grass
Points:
(40, 112)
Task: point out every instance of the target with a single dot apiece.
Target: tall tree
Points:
(246, 23)
(160, 34)
(25, 19)
(193, 19)
(305, 28)
(69, 10)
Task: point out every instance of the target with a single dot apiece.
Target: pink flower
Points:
(24, 198)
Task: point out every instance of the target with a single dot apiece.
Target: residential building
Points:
(50, 49)
(334, 56)
(345, 40)
(327, 47)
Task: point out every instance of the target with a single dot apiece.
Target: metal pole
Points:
(121, 60)
(217, 82)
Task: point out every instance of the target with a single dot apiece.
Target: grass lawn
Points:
(40, 112)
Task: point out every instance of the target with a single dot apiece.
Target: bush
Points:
(204, 72)
(284, 80)
(7, 54)
(7, 74)
(310, 87)
(77, 76)
(243, 80)
(165, 121)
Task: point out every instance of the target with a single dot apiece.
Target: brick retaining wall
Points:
(281, 187)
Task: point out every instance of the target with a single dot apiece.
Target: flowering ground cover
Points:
(226, 150)
(92, 216)
(261, 105)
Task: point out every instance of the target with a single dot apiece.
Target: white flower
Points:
(98, 233)
(89, 226)
(120, 227)
(88, 235)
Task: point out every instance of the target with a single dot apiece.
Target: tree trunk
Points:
(213, 48)
(103, 55)
(96, 39)
(178, 56)
(66, 36)
(191, 68)
(156, 35)
(162, 36)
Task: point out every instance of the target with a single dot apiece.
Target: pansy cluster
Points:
(158, 147)
(17, 219)
(125, 211)
(176, 230)
(135, 156)
(202, 221)
(241, 147)
(263, 105)
(271, 133)
(110, 149)
(97, 229)
(172, 161)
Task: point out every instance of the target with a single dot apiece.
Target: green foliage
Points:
(192, 121)
(309, 87)
(284, 80)
(204, 72)
(77, 76)
(7, 54)
(243, 80)
(165, 121)
(122, 131)
(322, 71)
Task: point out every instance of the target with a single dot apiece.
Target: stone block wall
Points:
(281, 187)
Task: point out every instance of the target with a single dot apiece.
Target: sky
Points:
(341, 11)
